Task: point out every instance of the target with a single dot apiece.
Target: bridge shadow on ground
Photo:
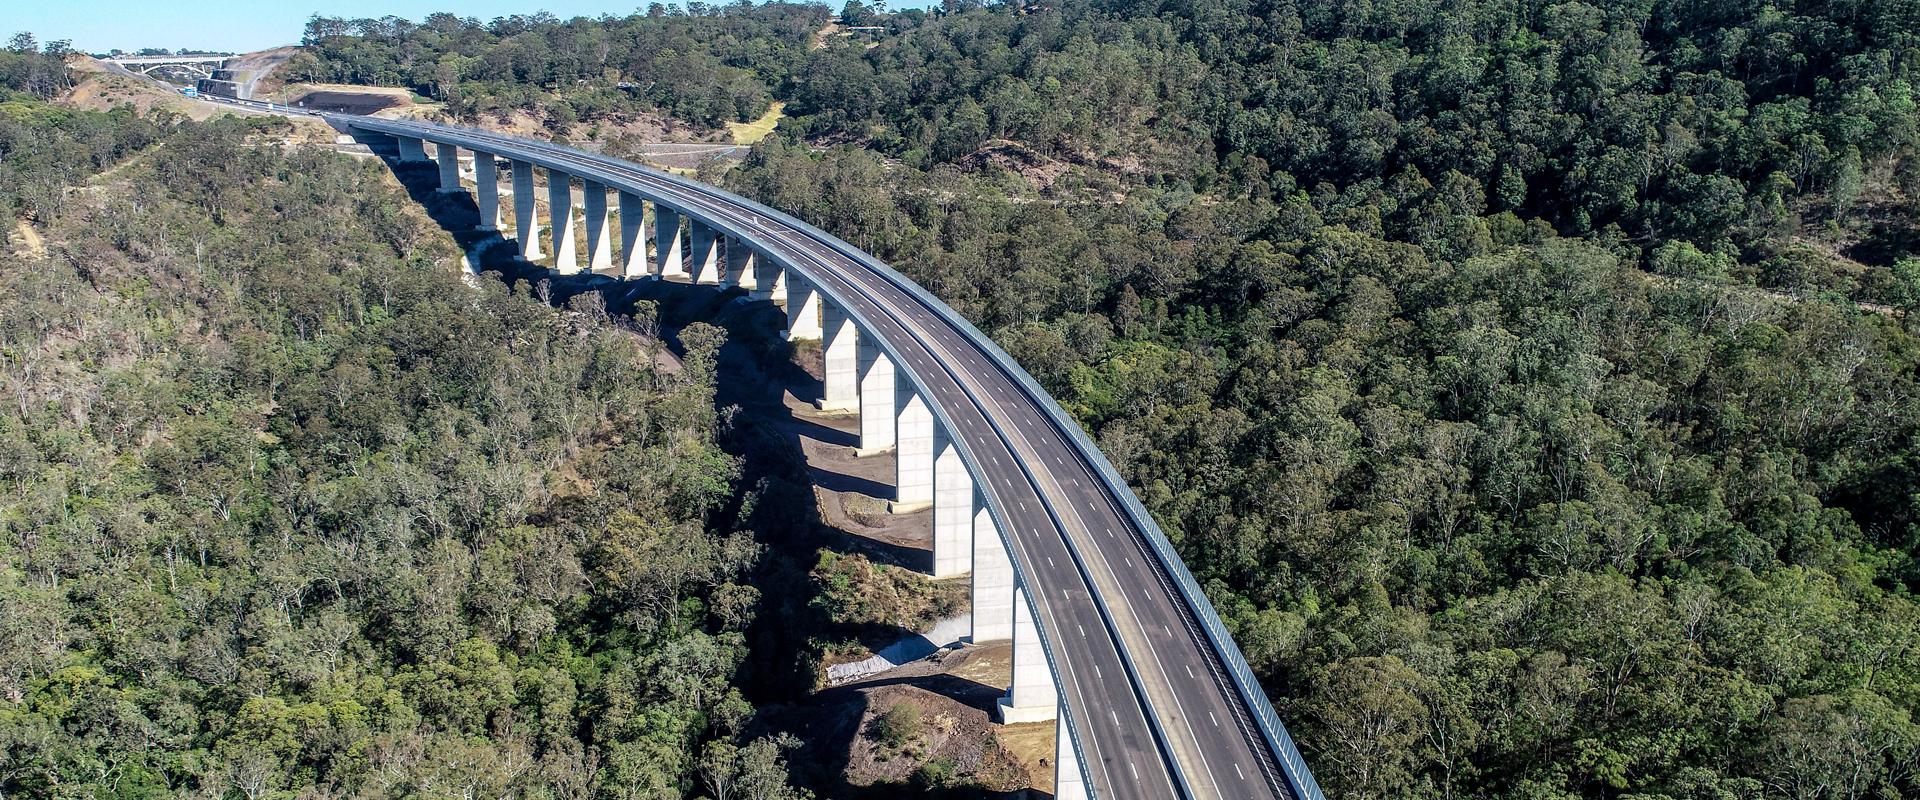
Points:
(765, 385)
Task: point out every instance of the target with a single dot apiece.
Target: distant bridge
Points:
(203, 64)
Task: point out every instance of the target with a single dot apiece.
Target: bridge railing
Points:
(1298, 775)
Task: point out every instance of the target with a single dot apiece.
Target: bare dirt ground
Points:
(26, 241)
(954, 692)
(255, 71)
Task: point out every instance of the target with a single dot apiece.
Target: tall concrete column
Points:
(779, 293)
(412, 149)
(526, 213)
(560, 205)
(840, 356)
(803, 311)
(952, 511)
(449, 158)
(486, 190)
(703, 260)
(1032, 697)
(1068, 782)
(765, 275)
(876, 399)
(633, 236)
(992, 580)
(742, 265)
(913, 451)
(666, 248)
(599, 243)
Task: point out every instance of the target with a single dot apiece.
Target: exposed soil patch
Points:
(1016, 157)
(26, 241)
(923, 724)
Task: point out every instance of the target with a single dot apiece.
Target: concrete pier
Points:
(778, 293)
(633, 236)
(876, 399)
(703, 260)
(526, 212)
(992, 581)
(1032, 697)
(952, 511)
(666, 246)
(741, 266)
(840, 351)
(803, 310)
(1068, 783)
(599, 239)
(560, 204)
(412, 148)
(765, 275)
(913, 457)
(449, 158)
(486, 191)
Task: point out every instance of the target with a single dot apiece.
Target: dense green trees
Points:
(1529, 383)
(1538, 521)
(291, 510)
(706, 65)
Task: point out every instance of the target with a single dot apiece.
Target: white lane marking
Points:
(1097, 673)
(1136, 773)
(1076, 481)
(1236, 771)
(1083, 635)
(1116, 723)
(1109, 533)
(1050, 563)
(1056, 460)
(1189, 671)
(1216, 722)
(1129, 563)
(1169, 632)
(1023, 506)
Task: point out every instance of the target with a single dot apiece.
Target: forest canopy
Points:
(292, 510)
(1530, 383)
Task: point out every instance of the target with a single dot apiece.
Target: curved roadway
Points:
(1159, 699)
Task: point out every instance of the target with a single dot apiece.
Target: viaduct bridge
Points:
(1111, 635)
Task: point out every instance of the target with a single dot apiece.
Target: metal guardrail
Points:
(1298, 776)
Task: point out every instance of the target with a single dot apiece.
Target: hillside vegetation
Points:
(289, 510)
(1501, 368)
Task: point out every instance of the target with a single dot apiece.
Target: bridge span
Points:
(1111, 635)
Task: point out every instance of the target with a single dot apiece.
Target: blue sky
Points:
(97, 26)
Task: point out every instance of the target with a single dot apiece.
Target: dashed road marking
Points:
(1216, 722)
(1050, 563)
(1236, 771)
